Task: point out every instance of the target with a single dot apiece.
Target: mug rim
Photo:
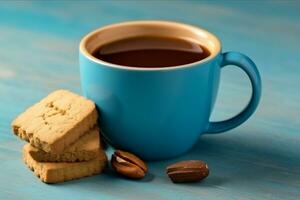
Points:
(196, 29)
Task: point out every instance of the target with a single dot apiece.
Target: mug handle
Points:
(247, 65)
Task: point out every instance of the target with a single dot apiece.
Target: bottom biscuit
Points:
(60, 172)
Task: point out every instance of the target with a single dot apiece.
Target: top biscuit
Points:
(56, 121)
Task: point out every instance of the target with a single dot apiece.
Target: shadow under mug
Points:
(159, 113)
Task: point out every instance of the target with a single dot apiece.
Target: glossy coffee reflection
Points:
(151, 52)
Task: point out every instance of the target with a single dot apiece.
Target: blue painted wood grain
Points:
(258, 160)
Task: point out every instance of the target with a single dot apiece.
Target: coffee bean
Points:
(188, 171)
(128, 165)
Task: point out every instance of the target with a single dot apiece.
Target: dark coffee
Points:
(151, 52)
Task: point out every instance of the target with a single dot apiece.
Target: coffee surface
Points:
(151, 52)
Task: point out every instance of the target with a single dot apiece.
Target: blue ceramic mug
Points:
(160, 113)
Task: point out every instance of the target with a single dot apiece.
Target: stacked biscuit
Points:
(64, 137)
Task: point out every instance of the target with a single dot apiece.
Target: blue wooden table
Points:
(259, 160)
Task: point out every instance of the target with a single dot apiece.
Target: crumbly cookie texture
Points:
(56, 121)
(84, 149)
(60, 172)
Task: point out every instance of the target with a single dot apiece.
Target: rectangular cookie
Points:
(56, 121)
(84, 149)
(60, 172)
